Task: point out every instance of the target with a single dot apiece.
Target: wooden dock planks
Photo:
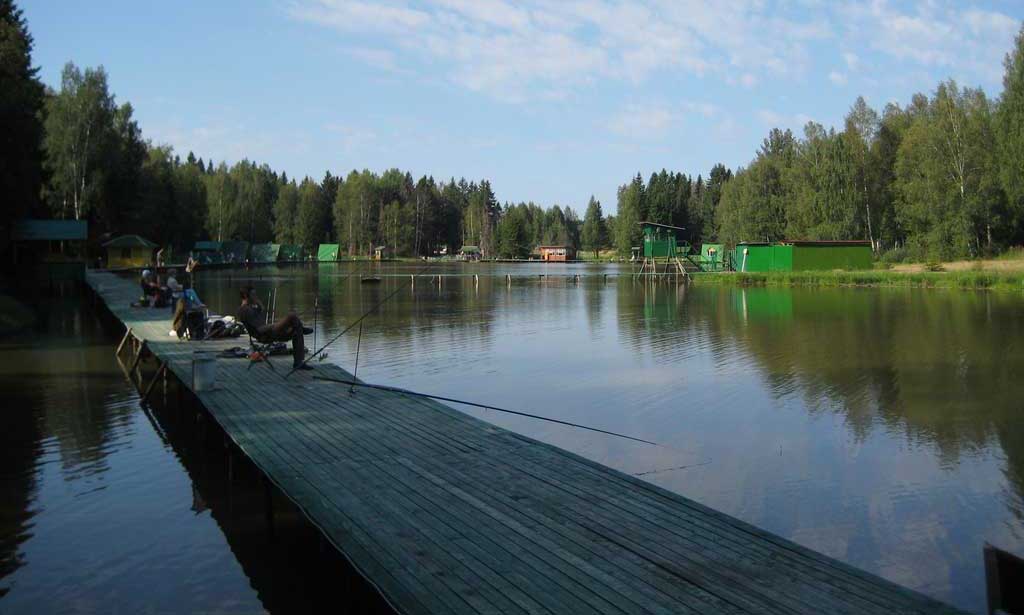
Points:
(445, 513)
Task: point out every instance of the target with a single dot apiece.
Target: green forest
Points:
(939, 178)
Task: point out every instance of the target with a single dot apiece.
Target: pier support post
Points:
(231, 462)
(138, 357)
(268, 499)
(127, 334)
(152, 383)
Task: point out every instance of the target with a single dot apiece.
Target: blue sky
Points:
(552, 100)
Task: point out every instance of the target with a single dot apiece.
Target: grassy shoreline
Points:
(982, 280)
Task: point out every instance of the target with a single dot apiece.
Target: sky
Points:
(551, 100)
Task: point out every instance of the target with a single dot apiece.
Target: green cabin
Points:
(659, 240)
(235, 251)
(713, 257)
(265, 252)
(208, 252)
(53, 250)
(327, 252)
(802, 256)
(129, 251)
(290, 253)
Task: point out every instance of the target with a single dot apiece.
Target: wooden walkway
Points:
(444, 513)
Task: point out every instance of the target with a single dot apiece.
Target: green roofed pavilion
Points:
(327, 252)
(265, 252)
(290, 252)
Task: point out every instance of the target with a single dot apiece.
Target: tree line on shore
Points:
(942, 177)
(939, 178)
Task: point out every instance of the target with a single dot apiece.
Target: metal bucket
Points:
(204, 370)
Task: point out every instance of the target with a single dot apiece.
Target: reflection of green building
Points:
(760, 304)
(802, 256)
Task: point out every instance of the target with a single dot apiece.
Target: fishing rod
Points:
(401, 391)
(372, 309)
(271, 314)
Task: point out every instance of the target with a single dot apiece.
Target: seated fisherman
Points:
(173, 286)
(150, 287)
(251, 314)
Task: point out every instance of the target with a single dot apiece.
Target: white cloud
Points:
(656, 121)
(933, 34)
(351, 138)
(769, 117)
(837, 78)
(703, 108)
(537, 49)
(643, 122)
(773, 119)
(378, 58)
(545, 49)
(728, 129)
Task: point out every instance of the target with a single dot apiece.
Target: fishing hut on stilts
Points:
(660, 250)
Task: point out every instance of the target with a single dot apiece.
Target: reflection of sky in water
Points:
(877, 426)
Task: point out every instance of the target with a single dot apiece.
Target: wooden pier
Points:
(445, 513)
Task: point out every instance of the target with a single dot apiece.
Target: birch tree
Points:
(79, 127)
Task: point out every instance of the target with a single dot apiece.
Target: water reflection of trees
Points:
(62, 399)
(942, 368)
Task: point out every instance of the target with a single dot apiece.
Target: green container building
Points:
(659, 240)
(291, 253)
(235, 251)
(327, 252)
(208, 252)
(713, 257)
(802, 256)
(265, 252)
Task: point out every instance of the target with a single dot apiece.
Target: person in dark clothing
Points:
(252, 315)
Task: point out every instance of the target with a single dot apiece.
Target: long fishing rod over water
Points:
(381, 387)
(372, 309)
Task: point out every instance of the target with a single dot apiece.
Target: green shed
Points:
(802, 256)
(208, 252)
(290, 253)
(659, 240)
(712, 257)
(265, 252)
(327, 252)
(235, 251)
(129, 251)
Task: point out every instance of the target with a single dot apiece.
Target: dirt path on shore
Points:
(1001, 265)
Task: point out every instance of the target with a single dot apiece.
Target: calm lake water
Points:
(881, 427)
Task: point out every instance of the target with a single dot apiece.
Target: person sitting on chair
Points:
(251, 314)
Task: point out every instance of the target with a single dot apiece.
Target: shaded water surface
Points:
(881, 427)
(106, 507)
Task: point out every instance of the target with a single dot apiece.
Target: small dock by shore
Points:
(441, 512)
